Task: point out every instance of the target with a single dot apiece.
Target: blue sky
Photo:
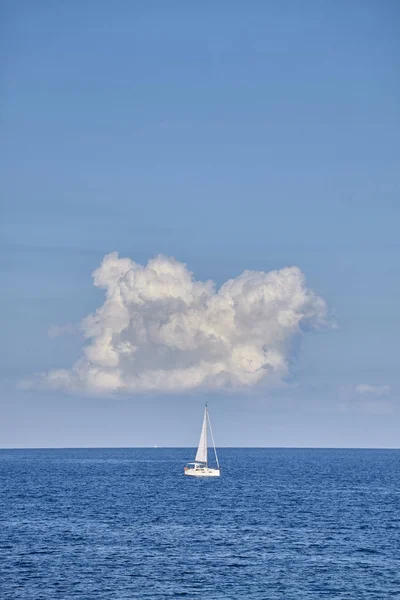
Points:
(230, 137)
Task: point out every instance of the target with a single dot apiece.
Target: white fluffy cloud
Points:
(160, 330)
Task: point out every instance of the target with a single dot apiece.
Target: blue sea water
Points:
(126, 524)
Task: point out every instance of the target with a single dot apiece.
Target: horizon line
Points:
(155, 447)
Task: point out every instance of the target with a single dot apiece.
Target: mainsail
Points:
(201, 455)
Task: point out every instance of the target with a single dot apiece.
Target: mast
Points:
(206, 419)
(206, 430)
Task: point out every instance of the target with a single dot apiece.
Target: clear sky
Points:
(231, 136)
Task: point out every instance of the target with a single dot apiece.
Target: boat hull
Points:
(202, 472)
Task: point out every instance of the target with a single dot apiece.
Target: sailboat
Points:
(200, 468)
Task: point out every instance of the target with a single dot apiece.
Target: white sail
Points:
(201, 455)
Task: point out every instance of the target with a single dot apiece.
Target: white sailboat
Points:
(200, 468)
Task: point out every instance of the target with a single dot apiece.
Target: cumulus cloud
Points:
(161, 330)
(374, 390)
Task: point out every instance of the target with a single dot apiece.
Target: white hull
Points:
(202, 472)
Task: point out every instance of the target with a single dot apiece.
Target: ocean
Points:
(288, 524)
